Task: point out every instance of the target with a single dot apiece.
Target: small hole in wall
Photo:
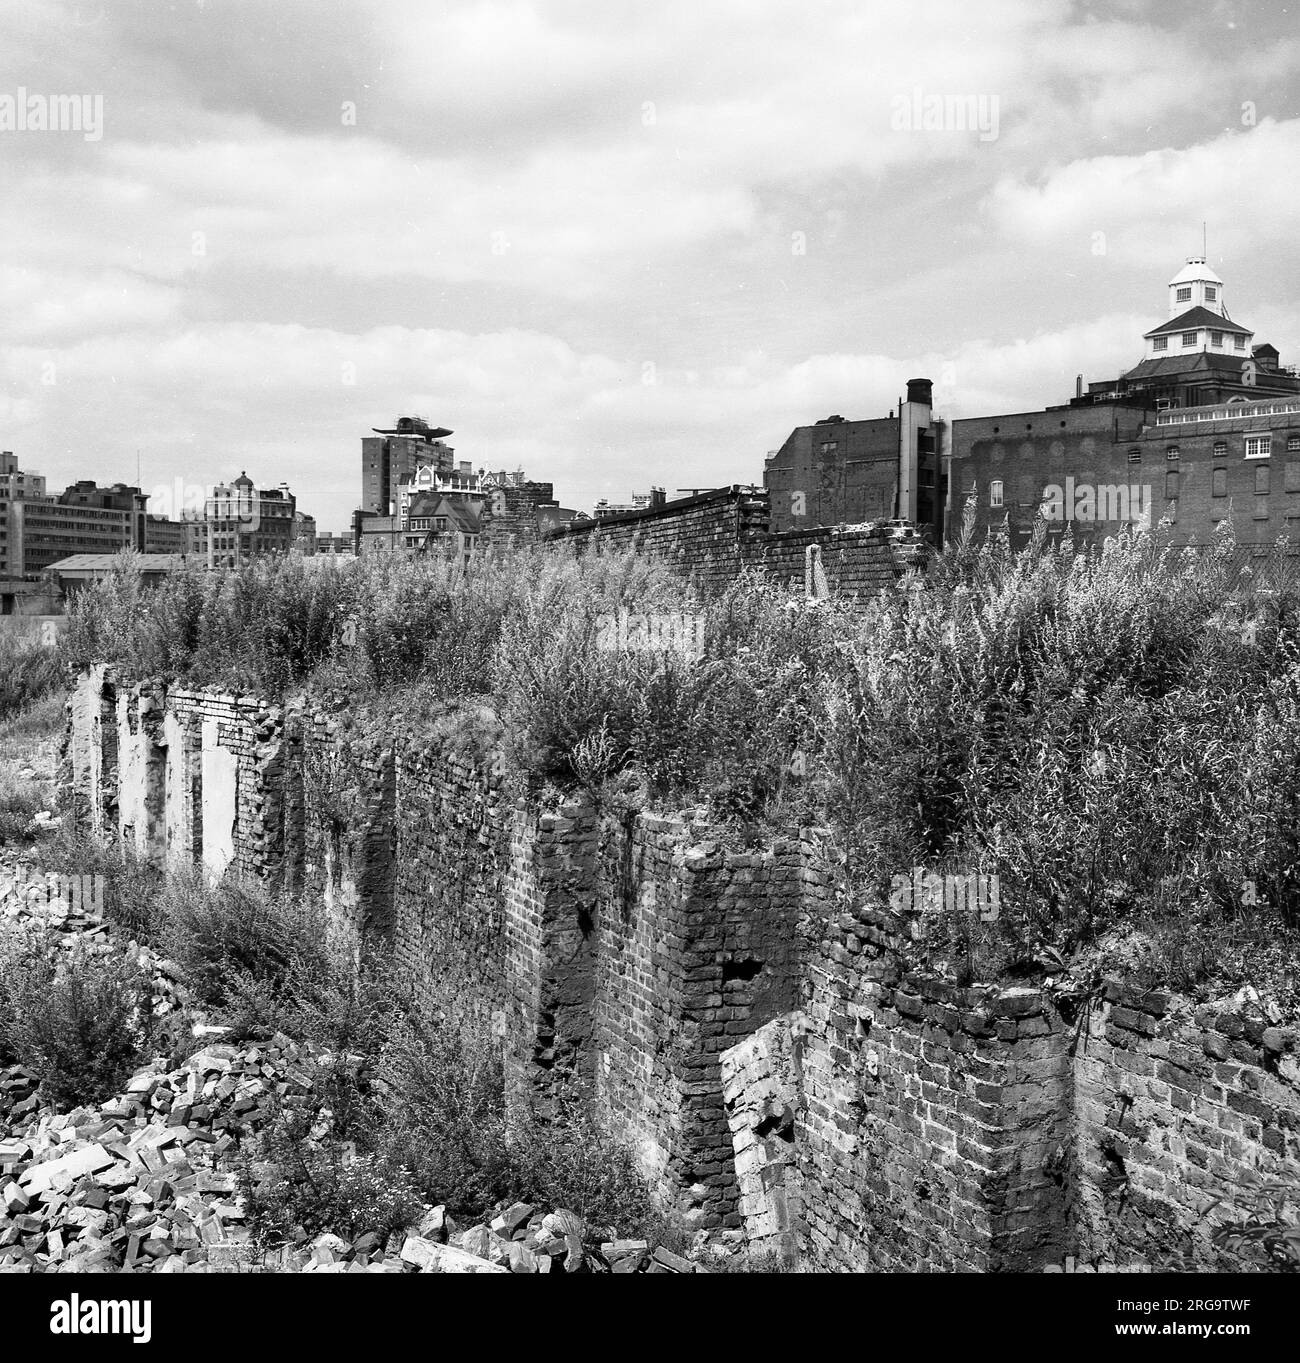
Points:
(740, 970)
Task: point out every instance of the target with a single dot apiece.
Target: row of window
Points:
(1255, 447)
(1218, 483)
(1189, 340)
(1184, 294)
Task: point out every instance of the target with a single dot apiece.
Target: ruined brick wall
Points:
(766, 1051)
(930, 1113)
(712, 537)
(696, 948)
(1175, 1101)
(510, 515)
(941, 1127)
(508, 913)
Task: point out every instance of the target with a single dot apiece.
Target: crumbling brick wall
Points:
(951, 1128)
(713, 536)
(1175, 1101)
(697, 948)
(769, 1054)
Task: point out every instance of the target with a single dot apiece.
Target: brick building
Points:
(838, 472)
(1205, 427)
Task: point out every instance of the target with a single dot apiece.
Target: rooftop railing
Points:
(1232, 411)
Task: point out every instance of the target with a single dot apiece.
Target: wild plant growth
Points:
(1113, 733)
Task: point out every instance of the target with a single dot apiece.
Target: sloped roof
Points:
(1196, 269)
(1195, 319)
(1187, 364)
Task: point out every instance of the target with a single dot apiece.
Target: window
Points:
(1189, 338)
(1292, 483)
(1211, 293)
(1258, 446)
(1171, 485)
(1160, 343)
(1293, 444)
(1239, 343)
(1219, 483)
(1135, 455)
(995, 492)
(1261, 480)
(1172, 452)
(1220, 449)
(1216, 338)
(829, 446)
(1184, 295)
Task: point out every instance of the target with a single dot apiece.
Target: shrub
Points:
(568, 1161)
(29, 672)
(442, 1105)
(133, 885)
(232, 939)
(81, 1021)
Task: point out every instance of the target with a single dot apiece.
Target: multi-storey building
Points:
(390, 458)
(241, 521)
(162, 536)
(1205, 427)
(838, 472)
(304, 533)
(83, 519)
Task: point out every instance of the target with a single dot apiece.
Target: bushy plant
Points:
(29, 671)
(80, 1019)
(133, 885)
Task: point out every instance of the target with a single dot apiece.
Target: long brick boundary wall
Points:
(768, 1055)
(714, 536)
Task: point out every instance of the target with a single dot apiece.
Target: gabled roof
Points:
(1196, 318)
(430, 504)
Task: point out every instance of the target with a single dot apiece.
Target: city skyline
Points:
(704, 228)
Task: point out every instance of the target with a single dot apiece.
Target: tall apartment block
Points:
(390, 458)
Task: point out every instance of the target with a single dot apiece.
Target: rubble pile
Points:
(137, 1182)
(144, 1182)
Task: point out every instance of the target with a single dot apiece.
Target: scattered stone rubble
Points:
(142, 1183)
(138, 1184)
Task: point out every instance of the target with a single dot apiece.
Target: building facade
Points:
(241, 521)
(392, 457)
(1206, 427)
(839, 472)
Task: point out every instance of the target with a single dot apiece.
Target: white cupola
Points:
(1195, 286)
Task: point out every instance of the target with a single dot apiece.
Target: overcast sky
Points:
(617, 243)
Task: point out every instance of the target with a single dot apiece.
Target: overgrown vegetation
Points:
(79, 1019)
(1096, 729)
(30, 671)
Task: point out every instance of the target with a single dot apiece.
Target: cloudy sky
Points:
(613, 242)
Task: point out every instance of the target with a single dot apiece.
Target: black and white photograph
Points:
(649, 638)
